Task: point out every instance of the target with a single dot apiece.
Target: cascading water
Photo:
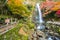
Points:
(40, 25)
(40, 19)
(38, 33)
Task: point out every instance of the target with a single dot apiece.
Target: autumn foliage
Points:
(56, 6)
(17, 7)
(51, 6)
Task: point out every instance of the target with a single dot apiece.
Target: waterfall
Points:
(40, 13)
(40, 18)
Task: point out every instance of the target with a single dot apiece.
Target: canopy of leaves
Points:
(18, 8)
(56, 6)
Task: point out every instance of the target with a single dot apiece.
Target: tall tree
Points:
(18, 8)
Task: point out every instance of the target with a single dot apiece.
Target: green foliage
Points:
(18, 8)
(13, 33)
(55, 28)
(27, 25)
(30, 24)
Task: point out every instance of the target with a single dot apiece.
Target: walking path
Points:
(7, 28)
